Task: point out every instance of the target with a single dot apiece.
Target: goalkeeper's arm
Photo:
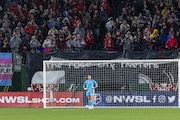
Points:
(95, 84)
(84, 86)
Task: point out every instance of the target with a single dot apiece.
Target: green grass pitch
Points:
(95, 114)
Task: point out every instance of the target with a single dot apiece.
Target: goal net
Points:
(121, 83)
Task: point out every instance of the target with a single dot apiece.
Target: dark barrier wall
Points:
(102, 55)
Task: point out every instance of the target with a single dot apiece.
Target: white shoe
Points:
(91, 107)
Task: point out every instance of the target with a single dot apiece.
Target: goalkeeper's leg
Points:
(90, 96)
(91, 101)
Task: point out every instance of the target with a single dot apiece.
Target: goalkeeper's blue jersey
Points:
(90, 85)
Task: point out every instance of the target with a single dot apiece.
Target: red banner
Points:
(163, 86)
(35, 99)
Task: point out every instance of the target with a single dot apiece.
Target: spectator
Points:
(80, 29)
(89, 39)
(103, 15)
(47, 45)
(15, 42)
(95, 25)
(153, 45)
(25, 42)
(14, 21)
(118, 41)
(108, 42)
(30, 27)
(5, 30)
(6, 19)
(67, 36)
(53, 42)
(54, 23)
(75, 21)
(44, 28)
(79, 43)
(8, 4)
(165, 11)
(86, 20)
(5, 45)
(171, 30)
(70, 43)
(109, 24)
(20, 28)
(53, 31)
(162, 37)
(135, 21)
(147, 32)
(124, 27)
(39, 35)
(14, 8)
(34, 44)
(80, 5)
(172, 43)
(66, 21)
(178, 38)
(61, 42)
(139, 44)
(25, 10)
(105, 5)
(127, 44)
(146, 35)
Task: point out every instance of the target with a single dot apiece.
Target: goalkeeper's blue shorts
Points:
(90, 93)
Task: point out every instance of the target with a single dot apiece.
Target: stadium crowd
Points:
(76, 25)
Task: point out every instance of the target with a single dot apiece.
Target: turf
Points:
(95, 114)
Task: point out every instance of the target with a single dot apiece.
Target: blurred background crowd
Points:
(78, 25)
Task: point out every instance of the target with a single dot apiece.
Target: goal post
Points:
(121, 83)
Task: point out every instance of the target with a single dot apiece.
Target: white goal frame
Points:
(107, 61)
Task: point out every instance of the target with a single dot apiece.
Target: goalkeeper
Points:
(90, 85)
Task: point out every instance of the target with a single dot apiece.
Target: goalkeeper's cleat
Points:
(91, 107)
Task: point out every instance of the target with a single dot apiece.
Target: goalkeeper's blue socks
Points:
(91, 103)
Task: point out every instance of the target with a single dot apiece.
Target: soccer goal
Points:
(121, 83)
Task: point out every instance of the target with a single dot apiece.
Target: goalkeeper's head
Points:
(89, 77)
